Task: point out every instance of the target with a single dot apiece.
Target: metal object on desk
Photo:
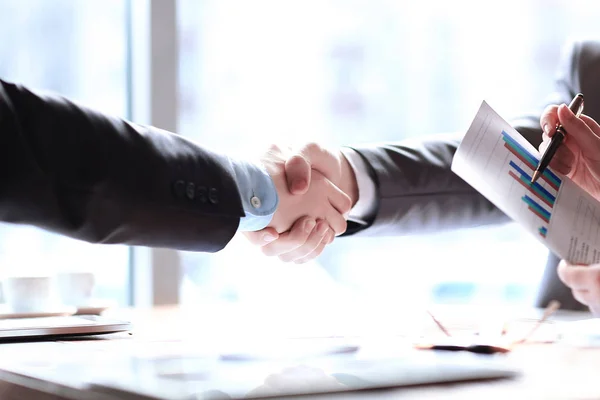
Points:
(481, 347)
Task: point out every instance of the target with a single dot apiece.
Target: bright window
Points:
(76, 49)
(348, 72)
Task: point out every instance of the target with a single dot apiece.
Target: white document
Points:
(498, 162)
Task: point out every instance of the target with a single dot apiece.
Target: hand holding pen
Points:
(578, 156)
(558, 136)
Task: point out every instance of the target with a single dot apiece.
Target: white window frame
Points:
(153, 78)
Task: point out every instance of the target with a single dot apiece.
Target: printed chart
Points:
(497, 161)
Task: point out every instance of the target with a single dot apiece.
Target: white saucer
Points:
(95, 307)
(7, 313)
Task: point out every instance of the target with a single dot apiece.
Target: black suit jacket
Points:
(74, 171)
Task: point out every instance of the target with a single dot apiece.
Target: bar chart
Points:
(529, 160)
(498, 161)
(539, 200)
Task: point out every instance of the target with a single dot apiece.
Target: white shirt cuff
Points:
(366, 206)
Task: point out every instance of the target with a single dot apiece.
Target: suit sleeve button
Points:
(190, 191)
(201, 194)
(213, 195)
(179, 189)
(255, 201)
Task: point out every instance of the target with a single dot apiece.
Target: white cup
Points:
(76, 288)
(30, 293)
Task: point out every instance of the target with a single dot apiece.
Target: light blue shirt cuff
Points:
(258, 194)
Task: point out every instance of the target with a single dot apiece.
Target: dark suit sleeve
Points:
(417, 192)
(89, 176)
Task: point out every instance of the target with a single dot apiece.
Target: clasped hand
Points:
(316, 191)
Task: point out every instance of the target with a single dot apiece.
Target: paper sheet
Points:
(498, 162)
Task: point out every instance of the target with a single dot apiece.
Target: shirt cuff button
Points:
(255, 201)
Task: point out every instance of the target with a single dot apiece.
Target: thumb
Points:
(323, 160)
(579, 132)
(262, 237)
(297, 173)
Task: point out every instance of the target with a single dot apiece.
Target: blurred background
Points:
(340, 72)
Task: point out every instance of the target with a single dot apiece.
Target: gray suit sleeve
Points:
(418, 193)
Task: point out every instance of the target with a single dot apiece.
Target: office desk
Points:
(40, 370)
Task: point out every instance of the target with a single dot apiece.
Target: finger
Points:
(549, 120)
(297, 172)
(589, 298)
(314, 240)
(591, 123)
(322, 160)
(262, 237)
(579, 132)
(575, 277)
(563, 160)
(330, 237)
(595, 309)
(336, 221)
(582, 296)
(319, 250)
(338, 199)
(291, 239)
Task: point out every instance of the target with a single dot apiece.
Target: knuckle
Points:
(341, 228)
(285, 258)
(312, 147)
(549, 110)
(268, 251)
(298, 236)
(297, 159)
(549, 115)
(330, 238)
(318, 251)
(577, 296)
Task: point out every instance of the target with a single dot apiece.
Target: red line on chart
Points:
(528, 187)
(531, 167)
(536, 212)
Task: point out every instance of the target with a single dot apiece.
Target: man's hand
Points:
(579, 157)
(584, 282)
(301, 244)
(315, 216)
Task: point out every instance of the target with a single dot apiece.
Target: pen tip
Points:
(535, 176)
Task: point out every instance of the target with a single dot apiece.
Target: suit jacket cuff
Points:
(366, 206)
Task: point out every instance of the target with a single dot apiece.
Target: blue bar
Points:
(507, 138)
(513, 143)
(535, 205)
(536, 185)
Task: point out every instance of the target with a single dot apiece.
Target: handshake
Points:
(316, 189)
